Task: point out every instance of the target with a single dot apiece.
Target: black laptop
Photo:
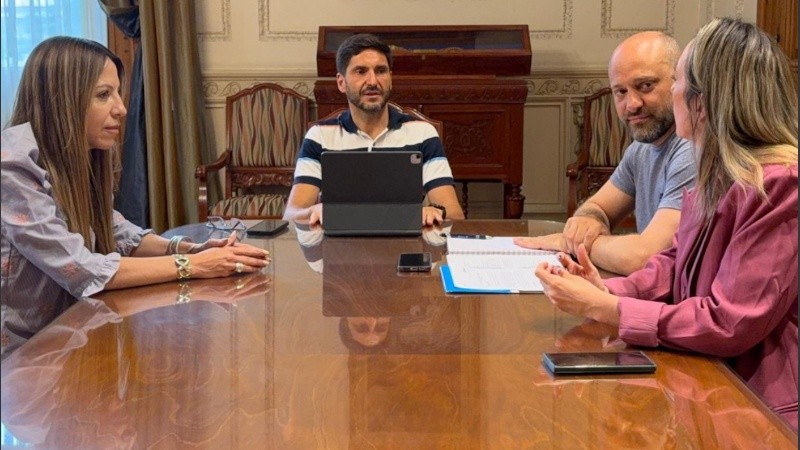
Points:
(377, 193)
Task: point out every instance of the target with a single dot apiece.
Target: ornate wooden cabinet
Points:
(463, 76)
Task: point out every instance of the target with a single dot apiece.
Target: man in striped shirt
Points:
(363, 63)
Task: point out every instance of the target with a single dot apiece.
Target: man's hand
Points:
(549, 242)
(431, 216)
(315, 214)
(583, 229)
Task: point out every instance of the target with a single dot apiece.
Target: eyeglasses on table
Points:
(219, 223)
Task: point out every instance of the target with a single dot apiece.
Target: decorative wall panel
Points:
(213, 20)
(278, 19)
(621, 18)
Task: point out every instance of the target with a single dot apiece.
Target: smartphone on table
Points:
(267, 227)
(576, 363)
(414, 262)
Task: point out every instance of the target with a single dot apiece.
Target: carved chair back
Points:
(265, 125)
(604, 139)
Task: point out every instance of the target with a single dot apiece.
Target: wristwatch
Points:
(440, 208)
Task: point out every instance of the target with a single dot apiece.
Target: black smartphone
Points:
(628, 361)
(414, 262)
(268, 227)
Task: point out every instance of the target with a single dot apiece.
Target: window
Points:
(25, 23)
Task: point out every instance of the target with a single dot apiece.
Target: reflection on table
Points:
(331, 347)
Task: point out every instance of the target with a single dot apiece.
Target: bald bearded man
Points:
(654, 170)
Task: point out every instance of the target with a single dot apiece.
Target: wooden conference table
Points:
(355, 356)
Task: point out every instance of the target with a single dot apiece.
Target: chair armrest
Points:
(201, 173)
(202, 170)
(576, 168)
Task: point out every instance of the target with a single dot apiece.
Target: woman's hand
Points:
(228, 259)
(211, 243)
(583, 268)
(577, 290)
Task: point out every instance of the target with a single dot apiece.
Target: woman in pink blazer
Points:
(728, 286)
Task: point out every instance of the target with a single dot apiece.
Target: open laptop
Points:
(376, 193)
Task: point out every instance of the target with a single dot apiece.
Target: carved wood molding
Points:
(566, 83)
(596, 179)
(216, 88)
(472, 139)
(579, 83)
(259, 179)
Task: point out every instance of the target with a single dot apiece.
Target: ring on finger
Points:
(239, 267)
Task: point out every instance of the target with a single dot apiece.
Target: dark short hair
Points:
(356, 44)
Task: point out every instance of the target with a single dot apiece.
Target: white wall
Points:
(244, 42)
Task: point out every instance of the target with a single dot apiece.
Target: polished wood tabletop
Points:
(331, 348)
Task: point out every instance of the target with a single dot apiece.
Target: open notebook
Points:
(492, 266)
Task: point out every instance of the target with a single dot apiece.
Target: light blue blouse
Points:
(44, 267)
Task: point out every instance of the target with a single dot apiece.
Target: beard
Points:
(371, 108)
(661, 120)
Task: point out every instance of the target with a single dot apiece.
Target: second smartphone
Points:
(414, 262)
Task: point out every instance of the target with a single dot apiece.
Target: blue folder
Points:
(451, 288)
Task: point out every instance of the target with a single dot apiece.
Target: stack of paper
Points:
(492, 265)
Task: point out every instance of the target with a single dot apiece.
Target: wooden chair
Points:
(604, 139)
(264, 128)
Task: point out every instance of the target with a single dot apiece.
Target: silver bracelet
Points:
(173, 246)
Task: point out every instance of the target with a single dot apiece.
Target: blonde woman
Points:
(61, 240)
(728, 286)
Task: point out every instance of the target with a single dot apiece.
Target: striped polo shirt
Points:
(403, 133)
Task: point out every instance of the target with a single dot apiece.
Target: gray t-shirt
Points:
(655, 176)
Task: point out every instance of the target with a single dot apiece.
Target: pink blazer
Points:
(728, 290)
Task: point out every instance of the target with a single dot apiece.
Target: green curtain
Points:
(178, 134)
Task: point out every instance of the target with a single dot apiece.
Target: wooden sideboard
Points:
(465, 76)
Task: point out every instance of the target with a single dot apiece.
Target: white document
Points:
(494, 265)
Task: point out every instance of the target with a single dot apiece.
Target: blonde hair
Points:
(54, 96)
(741, 78)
